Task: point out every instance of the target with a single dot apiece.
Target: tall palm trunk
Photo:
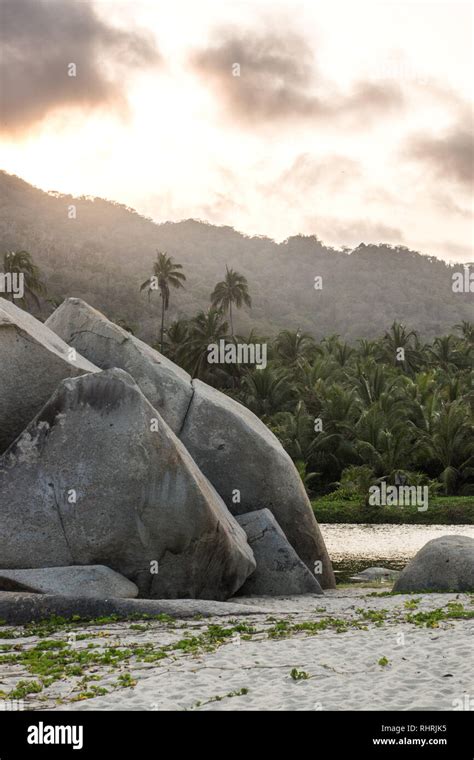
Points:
(231, 319)
(162, 320)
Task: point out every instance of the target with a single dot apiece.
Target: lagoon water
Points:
(354, 547)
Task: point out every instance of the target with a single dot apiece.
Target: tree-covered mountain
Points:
(102, 251)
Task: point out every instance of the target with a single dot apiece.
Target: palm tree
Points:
(400, 337)
(205, 329)
(383, 446)
(467, 330)
(165, 273)
(367, 348)
(445, 354)
(372, 379)
(267, 391)
(342, 353)
(233, 289)
(312, 379)
(176, 336)
(292, 345)
(451, 443)
(21, 263)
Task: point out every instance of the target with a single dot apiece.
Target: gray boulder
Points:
(280, 572)
(232, 447)
(245, 461)
(166, 386)
(443, 564)
(99, 478)
(33, 360)
(85, 581)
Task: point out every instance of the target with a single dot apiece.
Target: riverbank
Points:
(354, 547)
(442, 510)
(353, 649)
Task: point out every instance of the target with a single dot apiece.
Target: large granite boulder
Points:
(243, 460)
(166, 386)
(251, 470)
(443, 564)
(280, 572)
(33, 360)
(99, 478)
(85, 581)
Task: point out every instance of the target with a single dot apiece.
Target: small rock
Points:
(376, 574)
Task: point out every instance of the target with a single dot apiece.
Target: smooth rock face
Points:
(236, 451)
(280, 572)
(99, 478)
(166, 386)
(33, 360)
(443, 564)
(86, 581)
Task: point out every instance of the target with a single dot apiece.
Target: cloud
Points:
(221, 208)
(330, 173)
(448, 204)
(450, 156)
(278, 81)
(40, 38)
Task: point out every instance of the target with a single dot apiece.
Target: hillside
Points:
(105, 253)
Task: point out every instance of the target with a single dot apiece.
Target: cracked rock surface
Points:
(90, 481)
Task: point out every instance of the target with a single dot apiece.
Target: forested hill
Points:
(105, 254)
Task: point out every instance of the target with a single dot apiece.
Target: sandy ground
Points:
(385, 662)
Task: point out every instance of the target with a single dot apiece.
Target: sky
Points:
(349, 121)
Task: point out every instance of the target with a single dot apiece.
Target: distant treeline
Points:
(101, 251)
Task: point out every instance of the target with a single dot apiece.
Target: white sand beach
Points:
(354, 650)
